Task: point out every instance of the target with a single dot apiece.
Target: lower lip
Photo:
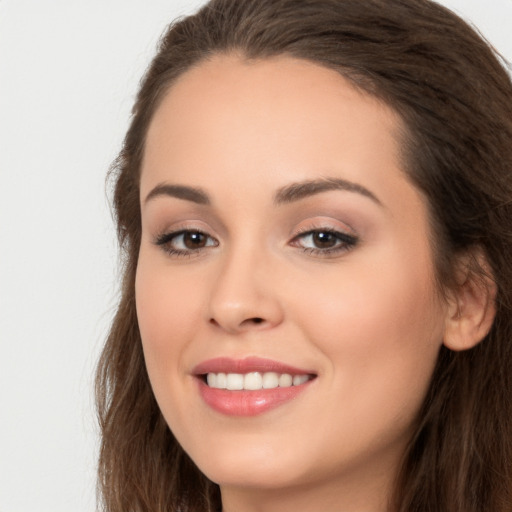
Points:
(248, 403)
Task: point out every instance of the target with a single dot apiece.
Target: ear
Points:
(471, 304)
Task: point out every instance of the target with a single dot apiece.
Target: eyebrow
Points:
(303, 189)
(196, 195)
(288, 194)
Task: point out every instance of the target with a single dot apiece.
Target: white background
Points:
(68, 73)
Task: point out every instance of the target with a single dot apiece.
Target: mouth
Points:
(251, 386)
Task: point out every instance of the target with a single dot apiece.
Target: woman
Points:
(314, 200)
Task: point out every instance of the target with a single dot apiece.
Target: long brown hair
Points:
(455, 98)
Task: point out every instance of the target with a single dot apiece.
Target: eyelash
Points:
(343, 242)
(165, 241)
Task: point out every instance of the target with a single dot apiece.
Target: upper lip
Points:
(246, 365)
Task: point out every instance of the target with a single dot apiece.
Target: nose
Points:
(244, 295)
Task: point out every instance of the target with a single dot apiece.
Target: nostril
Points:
(234, 325)
(255, 320)
(248, 322)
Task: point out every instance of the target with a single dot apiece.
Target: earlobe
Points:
(472, 305)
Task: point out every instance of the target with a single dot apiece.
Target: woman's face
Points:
(282, 244)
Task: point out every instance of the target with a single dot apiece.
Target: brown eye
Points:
(324, 239)
(194, 240)
(325, 242)
(186, 242)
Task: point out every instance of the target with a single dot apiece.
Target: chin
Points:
(254, 476)
(254, 466)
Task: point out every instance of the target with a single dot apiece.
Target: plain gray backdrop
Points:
(68, 73)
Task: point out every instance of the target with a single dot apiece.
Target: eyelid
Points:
(167, 236)
(324, 223)
(343, 243)
(164, 240)
(347, 239)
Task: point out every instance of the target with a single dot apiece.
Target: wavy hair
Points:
(454, 96)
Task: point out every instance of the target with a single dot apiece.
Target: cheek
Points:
(381, 328)
(167, 312)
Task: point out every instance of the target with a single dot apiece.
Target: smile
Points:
(251, 386)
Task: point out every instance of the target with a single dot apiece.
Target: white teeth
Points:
(270, 380)
(299, 379)
(234, 381)
(254, 380)
(211, 379)
(222, 380)
(285, 380)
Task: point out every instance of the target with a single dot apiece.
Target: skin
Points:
(367, 319)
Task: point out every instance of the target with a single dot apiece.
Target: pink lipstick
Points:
(250, 386)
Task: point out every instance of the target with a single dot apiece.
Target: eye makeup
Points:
(185, 242)
(324, 242)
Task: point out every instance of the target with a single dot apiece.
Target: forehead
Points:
(274, 118)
